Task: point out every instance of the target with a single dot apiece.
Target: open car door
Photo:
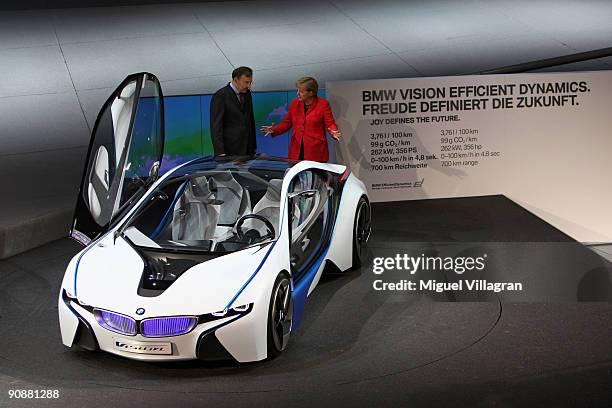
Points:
(124, 155)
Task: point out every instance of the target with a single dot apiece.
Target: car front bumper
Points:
(220, 339)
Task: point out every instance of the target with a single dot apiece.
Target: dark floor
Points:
(358, 347)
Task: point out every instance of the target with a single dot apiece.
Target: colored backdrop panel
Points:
(270, 107)
(207, 146)
(144, 147)
(184, 133)
(187, 125)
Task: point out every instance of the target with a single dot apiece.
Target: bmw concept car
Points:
(213, 260)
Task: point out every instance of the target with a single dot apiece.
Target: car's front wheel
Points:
(280, 316)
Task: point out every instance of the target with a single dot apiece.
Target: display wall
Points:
(543, 140)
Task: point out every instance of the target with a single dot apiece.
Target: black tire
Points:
(361, 232)
(280, 315)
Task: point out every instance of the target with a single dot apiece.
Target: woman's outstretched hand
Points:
(335, 134)
(267, 130)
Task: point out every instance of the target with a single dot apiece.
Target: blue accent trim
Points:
(76, 269)
(177, 195)
(252, 276)
(300, 292)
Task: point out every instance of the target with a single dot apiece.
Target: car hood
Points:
(109, 274)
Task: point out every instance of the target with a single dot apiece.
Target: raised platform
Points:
(39, 196)
(33, 225)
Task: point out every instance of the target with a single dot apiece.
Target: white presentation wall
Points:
(543, 140)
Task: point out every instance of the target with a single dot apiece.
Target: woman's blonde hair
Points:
(309, 83)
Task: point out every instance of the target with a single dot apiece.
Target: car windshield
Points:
(214, 210)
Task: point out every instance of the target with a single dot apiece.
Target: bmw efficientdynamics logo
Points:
(140, 311)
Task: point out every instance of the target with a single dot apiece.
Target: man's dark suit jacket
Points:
(232, 126)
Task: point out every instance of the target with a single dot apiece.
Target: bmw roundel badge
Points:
(140, 311)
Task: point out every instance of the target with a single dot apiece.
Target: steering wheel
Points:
(241, 234)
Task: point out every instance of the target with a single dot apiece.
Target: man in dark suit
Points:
(232, 123)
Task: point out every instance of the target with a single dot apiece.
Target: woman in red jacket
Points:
(309, 116)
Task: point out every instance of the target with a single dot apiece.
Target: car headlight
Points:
(221, 313)
(242, 308)
(236, 310)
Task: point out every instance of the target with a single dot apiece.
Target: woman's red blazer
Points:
(309, 127)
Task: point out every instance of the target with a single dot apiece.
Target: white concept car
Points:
(212, 260)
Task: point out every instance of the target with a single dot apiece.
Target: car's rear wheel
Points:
(280, 316)
(361, 232)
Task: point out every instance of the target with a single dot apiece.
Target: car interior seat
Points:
(235, 199)
(269, 207)
(196, 213)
